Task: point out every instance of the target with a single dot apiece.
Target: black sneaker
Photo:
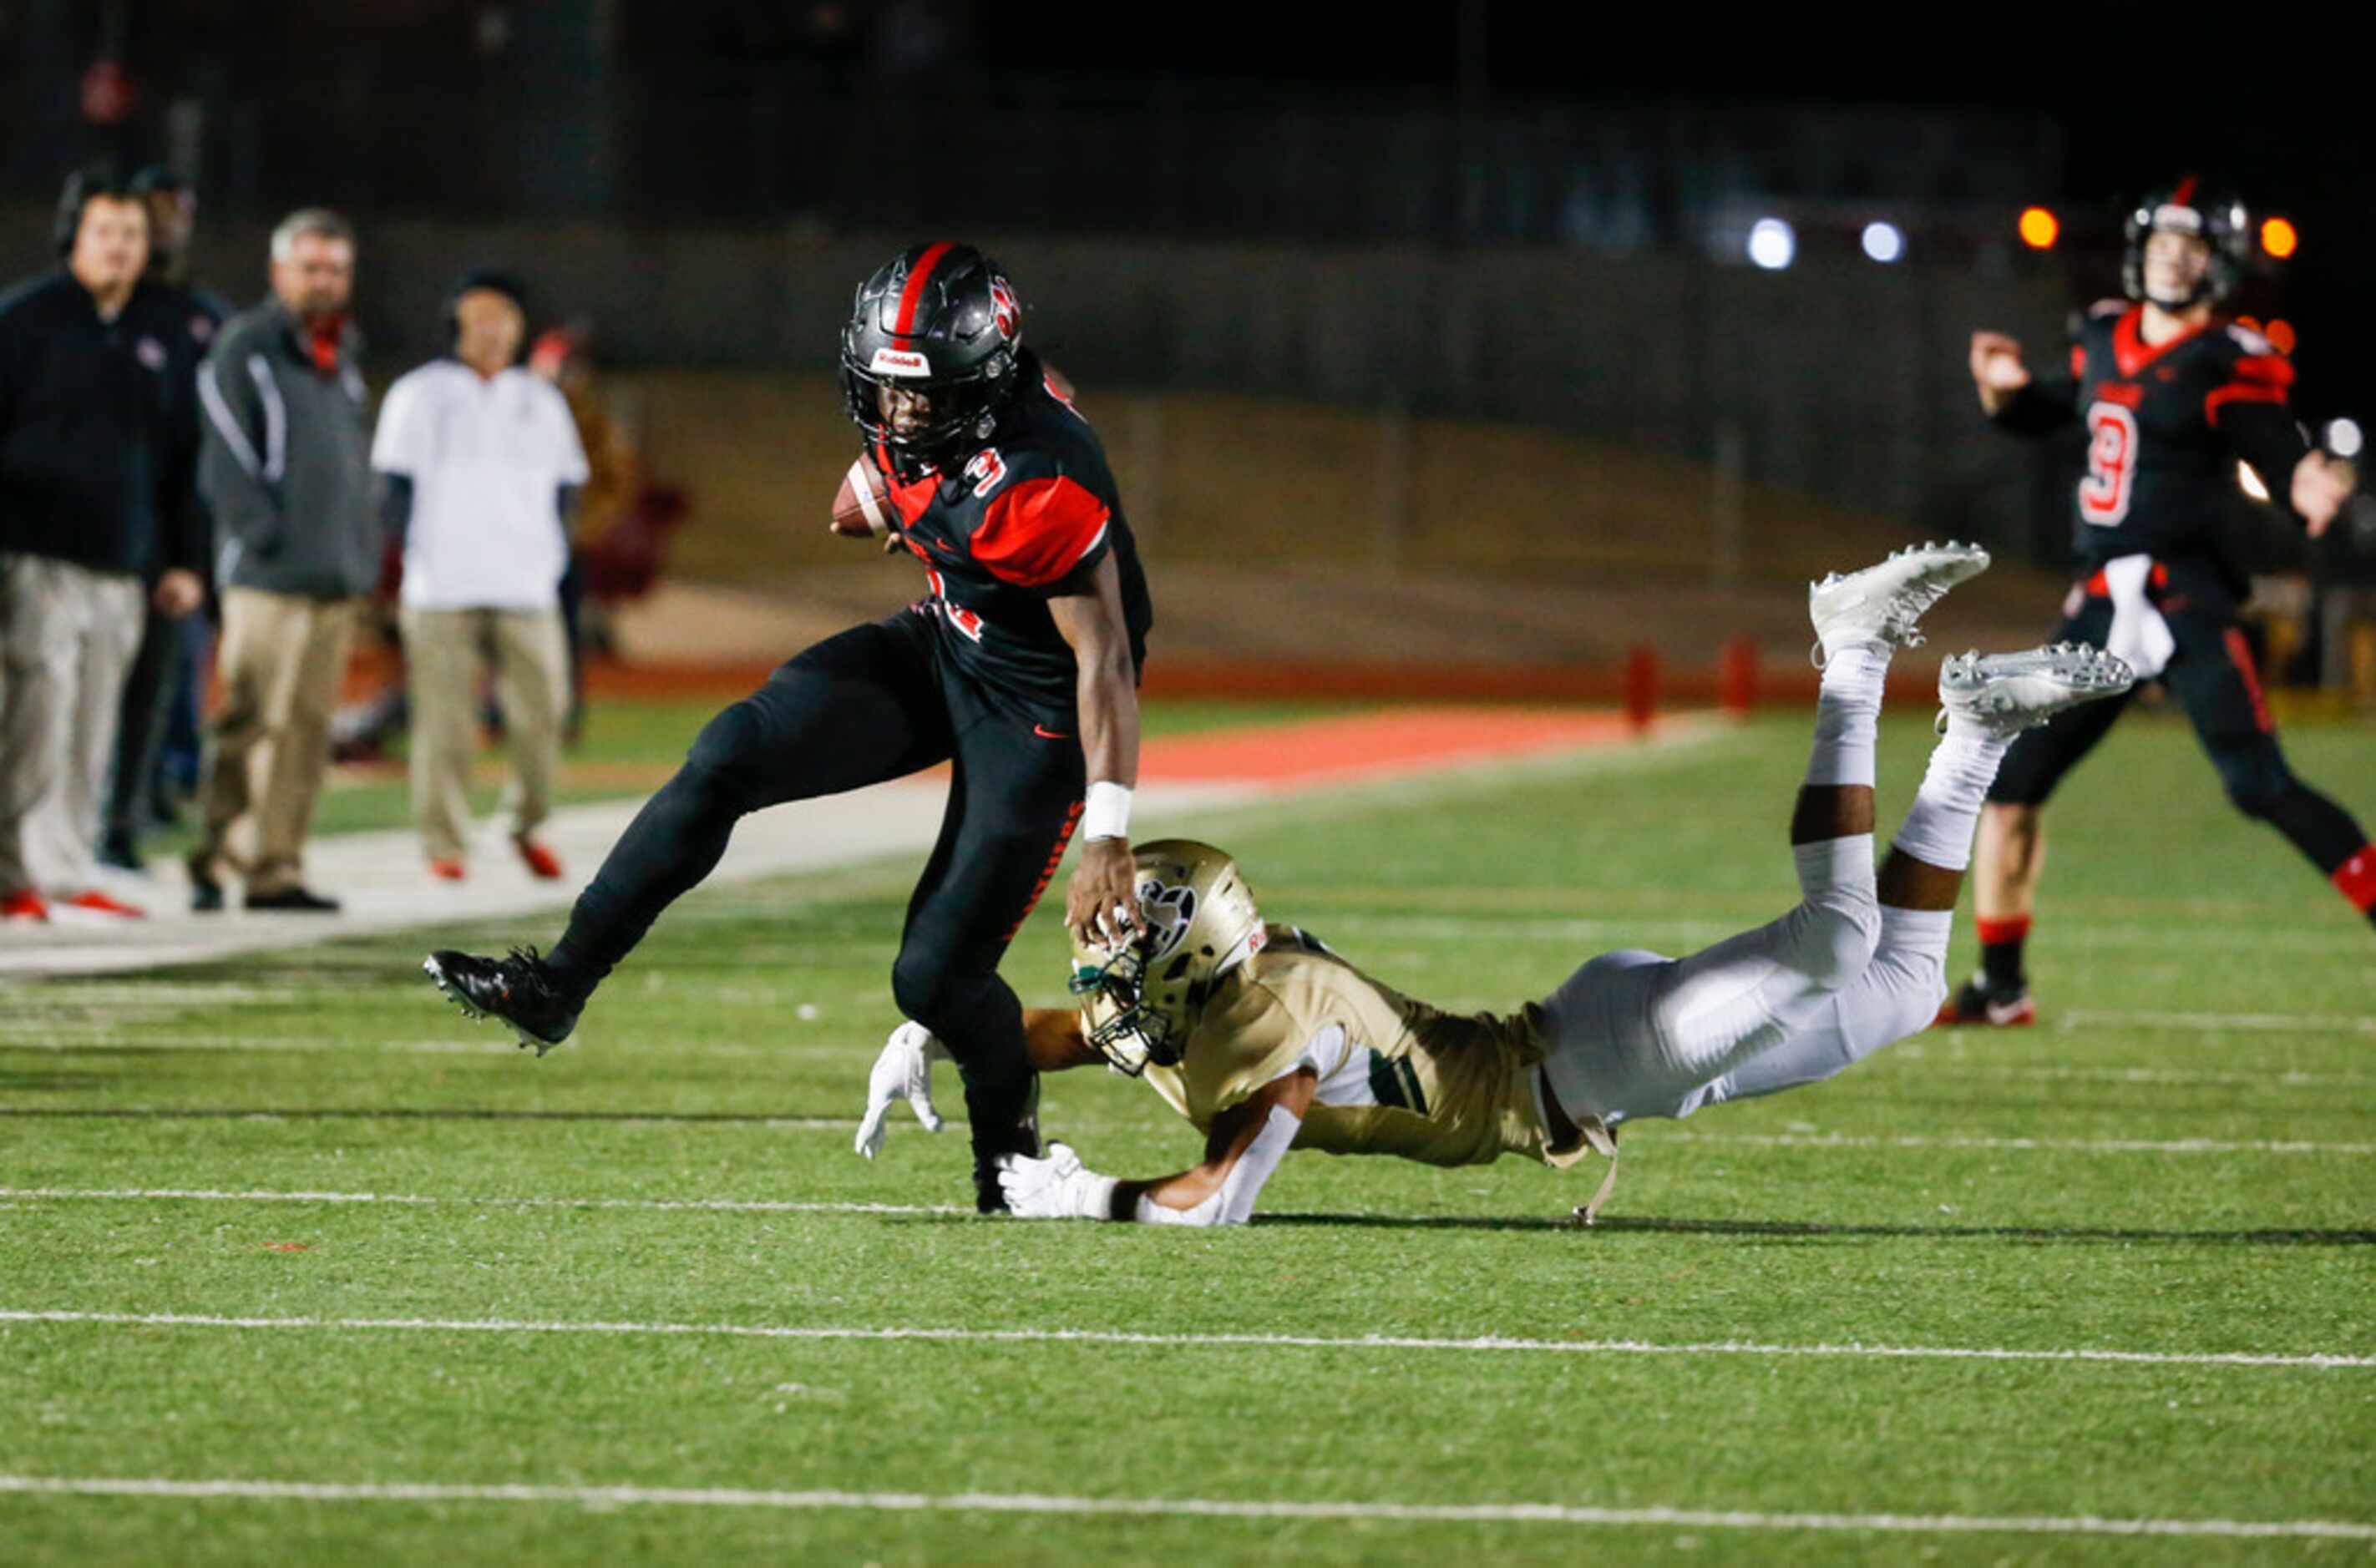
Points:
(118, 850)
(293, 900)
(206, 892)
(1978, 1005)
(519, 990)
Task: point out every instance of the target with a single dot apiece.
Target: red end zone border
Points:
(1380, 745)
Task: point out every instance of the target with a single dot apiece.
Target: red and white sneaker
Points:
(99, 903)
(448, 870)
(1977, 1007)
(27, 908)
(541, 862)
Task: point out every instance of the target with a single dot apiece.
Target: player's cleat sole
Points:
(513, 989)
(2004, 694)
(1885, 602)
(1976, 1006)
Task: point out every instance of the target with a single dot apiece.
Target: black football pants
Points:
(2211, 675)
(875, 702)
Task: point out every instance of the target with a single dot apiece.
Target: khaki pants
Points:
(443, 649)
(67, 636)
(279, 665)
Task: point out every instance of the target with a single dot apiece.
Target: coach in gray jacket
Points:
(285, 465)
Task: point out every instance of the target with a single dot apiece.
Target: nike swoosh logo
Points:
(1047, 734)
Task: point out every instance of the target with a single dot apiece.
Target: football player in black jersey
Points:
(1020, 665)
(2171, 394)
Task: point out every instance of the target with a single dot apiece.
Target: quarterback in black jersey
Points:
(1020, 666)
(2170, 395)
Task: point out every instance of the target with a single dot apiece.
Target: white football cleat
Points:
(1883, 603)
(2004, 694)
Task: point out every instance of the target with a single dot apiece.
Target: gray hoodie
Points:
(285, 462)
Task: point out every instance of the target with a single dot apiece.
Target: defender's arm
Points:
(1246, 1144)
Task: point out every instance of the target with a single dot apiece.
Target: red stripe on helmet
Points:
(2184, 195)
(913, 295)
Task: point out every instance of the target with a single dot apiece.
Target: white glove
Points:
(904, 1070)
(1058, 1187)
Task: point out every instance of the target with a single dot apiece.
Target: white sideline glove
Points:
(903, 1071)
(1058, 1187)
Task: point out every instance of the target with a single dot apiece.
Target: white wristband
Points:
(1107, 812)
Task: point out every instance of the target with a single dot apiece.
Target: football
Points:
(862, 505)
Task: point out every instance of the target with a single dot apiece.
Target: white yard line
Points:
(1950, 1055)
(416, 1200)
(1685, 933)
(1187, 1508)
(2219, 1023)
(1189, 1342)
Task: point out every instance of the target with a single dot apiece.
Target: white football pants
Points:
(1793, 1001)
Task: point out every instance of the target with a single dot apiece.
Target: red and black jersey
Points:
(1020, 515)
(2164, 426)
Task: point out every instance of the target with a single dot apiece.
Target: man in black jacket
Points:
(98, 445)
(168, 660)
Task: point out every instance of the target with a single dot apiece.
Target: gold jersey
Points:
(1411, 1081)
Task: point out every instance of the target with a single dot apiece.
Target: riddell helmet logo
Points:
(900, 362)
(1006, 307)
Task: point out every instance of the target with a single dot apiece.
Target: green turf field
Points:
(2180, 1167)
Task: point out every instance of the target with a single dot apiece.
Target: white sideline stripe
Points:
(722, 1206)
(2082, 1146)
(1195, 1507)
(1178, 1342)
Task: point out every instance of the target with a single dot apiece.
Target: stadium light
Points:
(2040, 228)
(2250, 482)
(1884, 241)
(2279, 238)
(2343, 438)
(1772, 243)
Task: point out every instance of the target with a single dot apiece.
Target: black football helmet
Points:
(2219, 221)
(942, 320)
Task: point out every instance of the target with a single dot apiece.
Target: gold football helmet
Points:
(1198, 921)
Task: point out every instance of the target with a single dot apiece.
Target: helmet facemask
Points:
(1115, 1017)
(965, 410)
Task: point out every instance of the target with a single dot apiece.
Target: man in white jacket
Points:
(482, 466)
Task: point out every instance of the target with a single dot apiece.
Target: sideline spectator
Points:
(170, 654)
(482, 466)
(285, 465)
(563, 356)
(97, 442)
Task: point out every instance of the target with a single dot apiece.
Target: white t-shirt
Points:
(486, 458)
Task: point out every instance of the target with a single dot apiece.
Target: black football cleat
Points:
(518, 988)
(1980, 1007)
(1021, 1135)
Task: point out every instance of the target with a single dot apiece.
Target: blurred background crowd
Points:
(1431, 348)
